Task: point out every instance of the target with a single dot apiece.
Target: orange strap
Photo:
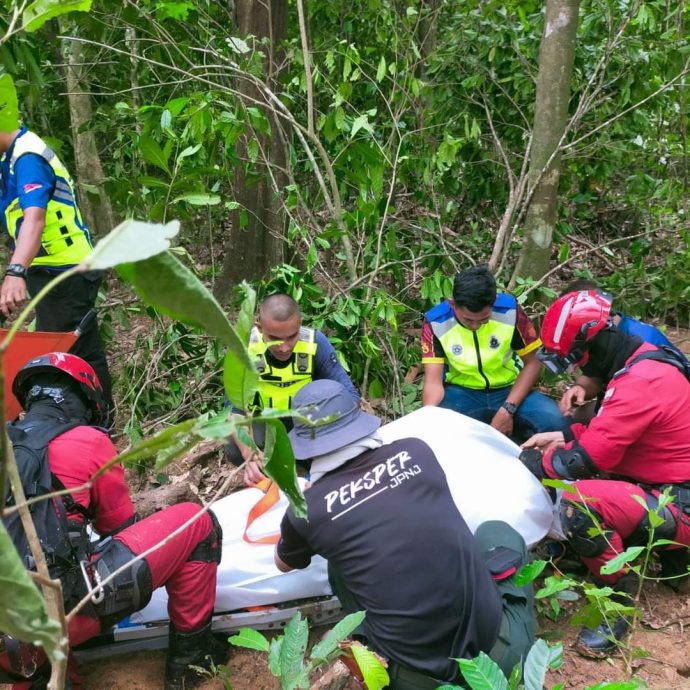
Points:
(263, 505)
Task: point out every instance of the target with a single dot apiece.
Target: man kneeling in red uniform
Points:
(641, 436)
(63, 400)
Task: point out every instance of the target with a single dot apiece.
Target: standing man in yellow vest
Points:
(47, 235)
(478, 351)
(288, 356)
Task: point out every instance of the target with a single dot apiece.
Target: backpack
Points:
(64, 544)
(665, 354)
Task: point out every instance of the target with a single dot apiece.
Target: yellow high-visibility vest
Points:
(278, 386)
(65, 240)
(481, 359)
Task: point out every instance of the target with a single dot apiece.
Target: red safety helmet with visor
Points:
(79, 370)
(569, 324)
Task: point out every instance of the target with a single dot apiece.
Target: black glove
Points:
(531, 458)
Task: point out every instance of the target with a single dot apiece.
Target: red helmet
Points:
(569, 324)
(76, 368)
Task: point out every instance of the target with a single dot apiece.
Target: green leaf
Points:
(529, 572)
(164, 282)
(9, 107)
(292, 651)
(274, 655)
(40, 11)
(279, 464)
(515, 676)
(23, 612)
(553, 585)
(239, 380)
(323, 650)
(373, 671)
(557, 484)
(483, 673)
(250, 639)
(158, 443)
(130, 241)
(621, 560)
(361, 122)
(189, 151)
(175, 450)
(237, 45)
(381, 71)
(153, 154)
(199, 199)
(539, 660)
(245, 318)
(216, 427)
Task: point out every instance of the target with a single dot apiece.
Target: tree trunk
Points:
(556, 57)
(94, 203)
(253, 249)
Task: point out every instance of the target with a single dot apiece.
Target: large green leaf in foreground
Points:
(23, 613)
(279, 464)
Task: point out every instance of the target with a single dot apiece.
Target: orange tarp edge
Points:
(26, 346)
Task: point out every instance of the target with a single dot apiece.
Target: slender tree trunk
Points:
(556, 57)
(94, 203)
(133, 46)
(256, 239)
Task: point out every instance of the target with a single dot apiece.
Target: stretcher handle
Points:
(86, 322)
(263, 505)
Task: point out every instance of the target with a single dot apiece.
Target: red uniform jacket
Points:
(642, 430)
(77, 455)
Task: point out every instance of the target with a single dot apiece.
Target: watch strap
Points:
(16, 270)
(510, 408)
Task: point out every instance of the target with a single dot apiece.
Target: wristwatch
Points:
(16, 270)
(510, 408)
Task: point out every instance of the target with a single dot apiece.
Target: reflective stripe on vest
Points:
(277, 386)
(483, 358)
(65, 240)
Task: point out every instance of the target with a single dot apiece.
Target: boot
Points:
(607, 636)
(199, 648)
(604, 639)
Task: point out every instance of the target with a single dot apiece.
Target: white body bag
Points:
(485, 477)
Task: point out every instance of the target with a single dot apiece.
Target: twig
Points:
(546, 276)
(307, 68)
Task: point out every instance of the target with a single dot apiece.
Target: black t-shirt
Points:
(388, 523)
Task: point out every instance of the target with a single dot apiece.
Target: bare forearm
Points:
(28, 242)
(525, 381)
(432, 394)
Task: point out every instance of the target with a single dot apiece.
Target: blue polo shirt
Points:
(32, 181)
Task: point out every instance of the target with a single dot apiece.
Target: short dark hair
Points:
(279, 307)
(579, 285)
(474, 289)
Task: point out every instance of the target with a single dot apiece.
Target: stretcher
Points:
(29, 344)
(485, 477)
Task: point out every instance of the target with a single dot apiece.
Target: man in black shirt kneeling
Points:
(398, 548)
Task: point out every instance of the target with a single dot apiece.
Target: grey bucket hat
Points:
(319, 400)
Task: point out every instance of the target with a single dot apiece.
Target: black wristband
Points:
(510, 408)
(16, 270)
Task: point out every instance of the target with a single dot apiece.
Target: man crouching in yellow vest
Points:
(39, 212)
(478, 351)
(288, 356)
